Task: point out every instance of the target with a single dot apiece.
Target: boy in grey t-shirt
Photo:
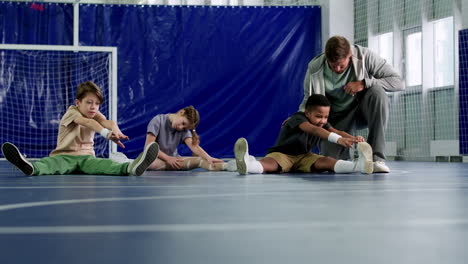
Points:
(168, 137)
(170, 130)
(301, 132)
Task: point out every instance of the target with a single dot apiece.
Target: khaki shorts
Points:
(294, 163)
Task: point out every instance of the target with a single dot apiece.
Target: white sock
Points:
(119, 157)
(230, 165)
(254, 166)
(343, 166)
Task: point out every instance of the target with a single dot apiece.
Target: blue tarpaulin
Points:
(241, 67)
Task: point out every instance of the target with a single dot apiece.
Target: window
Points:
(443, 52)
(386, 47)
(413, 59)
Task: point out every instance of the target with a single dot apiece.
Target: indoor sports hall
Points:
(242, 65)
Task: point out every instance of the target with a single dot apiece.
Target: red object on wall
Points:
(37, 7)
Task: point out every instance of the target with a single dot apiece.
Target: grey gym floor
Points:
(416, 214)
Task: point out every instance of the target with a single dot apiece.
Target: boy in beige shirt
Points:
(75, 142)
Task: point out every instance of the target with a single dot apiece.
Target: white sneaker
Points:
(241, 153)
(365, 158)
(252, 158)
(119, 157)
(231, 165)
(380, 167)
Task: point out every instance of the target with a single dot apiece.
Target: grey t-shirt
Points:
(294, 141)
(167, 137)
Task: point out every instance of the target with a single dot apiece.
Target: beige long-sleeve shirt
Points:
(72, 138)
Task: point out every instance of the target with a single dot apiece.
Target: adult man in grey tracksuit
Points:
(355, 80)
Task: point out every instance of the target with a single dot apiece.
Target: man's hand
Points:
(353, 88)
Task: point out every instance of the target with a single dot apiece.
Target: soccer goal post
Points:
(37, 85)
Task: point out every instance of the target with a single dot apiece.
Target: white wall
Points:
(338, 19)
(254, 2)
(464, 8)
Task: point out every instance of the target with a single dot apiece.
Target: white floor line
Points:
(7, 207)
(287, 192)
(109, 187)
(417, 223)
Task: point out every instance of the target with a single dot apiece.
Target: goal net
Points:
(38, 84)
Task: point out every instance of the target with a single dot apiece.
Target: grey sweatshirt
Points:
(367, 65)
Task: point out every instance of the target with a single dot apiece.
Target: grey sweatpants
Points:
(371, 111)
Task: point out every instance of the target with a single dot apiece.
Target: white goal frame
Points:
(112, 70)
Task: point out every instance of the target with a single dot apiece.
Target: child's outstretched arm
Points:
(99, 127)
(346, 135)
(328, 135)
(115, 134)
(110, 124)
(200, 151)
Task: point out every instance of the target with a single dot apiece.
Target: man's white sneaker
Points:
(380, 167)
(365, 158)
(241, 153)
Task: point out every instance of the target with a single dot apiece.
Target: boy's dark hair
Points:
(316, 100)
(337, 48)
(89, 87)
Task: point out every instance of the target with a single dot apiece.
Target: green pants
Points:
(83, 164)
